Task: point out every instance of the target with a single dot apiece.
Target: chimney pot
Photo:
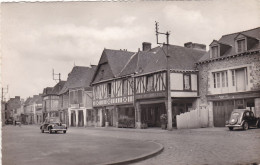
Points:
(195, 46)
(147, 46)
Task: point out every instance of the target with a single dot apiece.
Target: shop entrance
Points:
(150, 114)
(81, 118)
(222, 109)
(73, 118)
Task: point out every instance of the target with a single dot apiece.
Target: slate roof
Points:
(181, 59)
(79, 77)
(115, 60)
(37, 99)
(28, 101)
(229, 39)
(57, 88)
(47, 91)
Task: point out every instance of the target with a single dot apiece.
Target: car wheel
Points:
(245, 126)
(50, 131)
(230, 128)
(64, 131)
(42, 130)
(55, 131)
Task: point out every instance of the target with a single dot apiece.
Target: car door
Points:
(253, 120)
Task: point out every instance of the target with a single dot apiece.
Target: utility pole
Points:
(4, 92)
(54, 75)
(169, 101)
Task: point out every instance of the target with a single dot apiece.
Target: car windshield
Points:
(54, 120)
(235, 114)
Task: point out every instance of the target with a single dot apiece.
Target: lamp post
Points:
(168, 84)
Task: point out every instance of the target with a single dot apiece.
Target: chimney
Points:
(147, 46)
(195, 46)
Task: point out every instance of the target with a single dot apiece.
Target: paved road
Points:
(195, 146)
(26, 145)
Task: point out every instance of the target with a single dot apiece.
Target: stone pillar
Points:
(116, 115)
(138, 115)
(77, 117)
(69, 111)
(100, 111)
(85, 117)
(210, 109)
(257, 107)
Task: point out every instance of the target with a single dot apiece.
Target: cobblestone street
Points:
(194, 146)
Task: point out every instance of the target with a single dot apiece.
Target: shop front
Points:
(224, 104)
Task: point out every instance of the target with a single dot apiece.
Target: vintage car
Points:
(53, 124)
(242, 118)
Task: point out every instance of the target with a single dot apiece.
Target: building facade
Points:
(229, 75)
(50, 101)
(112, 95)
(138, 88)
(76, 97)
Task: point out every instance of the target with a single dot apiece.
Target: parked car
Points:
(9, 121)
(53, 124)
(242, 118)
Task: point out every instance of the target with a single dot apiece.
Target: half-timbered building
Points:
(229, 75)
(112, 95)
(148, 68)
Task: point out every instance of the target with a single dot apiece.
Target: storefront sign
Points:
(240, 95)
(150, 95)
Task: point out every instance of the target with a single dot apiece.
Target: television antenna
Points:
(55, 75)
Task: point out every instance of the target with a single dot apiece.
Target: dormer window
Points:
(214, 51)
(241, 45)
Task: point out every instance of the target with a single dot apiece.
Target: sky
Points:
(38, 37)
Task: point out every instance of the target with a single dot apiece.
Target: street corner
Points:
(156, 149)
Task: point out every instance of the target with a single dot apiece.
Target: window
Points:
(79, 96)
(240, 79)
(214, 51)
(187, 82)
(124, 89)
(220, 79)
(149, 83)
(108, 89)
(233, 78)
(241, 45)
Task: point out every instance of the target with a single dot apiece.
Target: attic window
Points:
(214, 51)
(241, 45)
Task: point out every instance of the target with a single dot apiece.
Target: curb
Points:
(138, 158)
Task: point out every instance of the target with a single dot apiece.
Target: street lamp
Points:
(169, 103)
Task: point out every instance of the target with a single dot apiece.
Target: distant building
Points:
(229, 75)
(51, 100)
(76, 97)
(13, 108)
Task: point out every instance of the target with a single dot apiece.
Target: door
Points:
(219, 114)
(81, 118)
